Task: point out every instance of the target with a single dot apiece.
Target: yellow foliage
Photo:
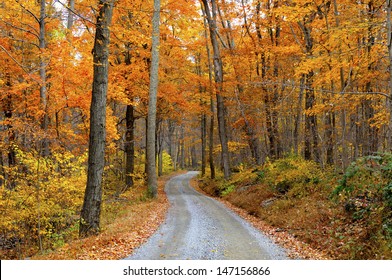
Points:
(234, 147)
(45, 200)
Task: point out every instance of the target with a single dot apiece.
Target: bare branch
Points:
(21, 66)
(222, 41)
(28, 11)
(72, 11)
(292, 85)
(25, 42)
(296, 38)
(21, 29)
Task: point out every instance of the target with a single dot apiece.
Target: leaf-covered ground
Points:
(316, 213)
(138, 220)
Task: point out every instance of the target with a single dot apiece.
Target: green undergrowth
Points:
(347, 216)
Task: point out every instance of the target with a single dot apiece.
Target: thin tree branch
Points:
(266, 83)
(296, 38)
(28, 11)
(20, 28)
(221, 39)
(21, 66)
(76, 14)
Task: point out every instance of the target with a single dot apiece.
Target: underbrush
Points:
(40, 203)
(126, 222)
(347, 217)
(41, 200)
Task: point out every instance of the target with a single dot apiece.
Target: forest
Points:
(285, 108)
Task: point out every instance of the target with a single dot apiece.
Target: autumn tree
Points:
(90, 216)
(152, 104)
(211, 15)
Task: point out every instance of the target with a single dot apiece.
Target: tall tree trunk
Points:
(129, 146)
(159, 146)
(370, 139)
(218, 71)
(152, 104)
(193, 157)
(203, 143)
(211, 140)
(389, 45)
(90, 216)
(181, 147)
(2, 171)
(297, 123)
(203, 119)
(329, 129)
(129, 134)
(172, 141)
(160, 162)
(44, 150)
(8, 112)
(311, 135)
(212, 106)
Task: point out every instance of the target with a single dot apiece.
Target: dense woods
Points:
(242, 84)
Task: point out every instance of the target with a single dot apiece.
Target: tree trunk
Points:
(181, 147)
(8, 112)
(2, 172)
(171, 147)
(218, 71)
(129, 146)
(329, 128)
(298, 115)
(90, 216)
(44, 149)
(203, 144)
(152, 104)
(212, 107)
(389, 45)
(311, 135)
(160, 162)
(211, 141)
(159, 146)
(70, 18)
(193, 157)
(203, 118)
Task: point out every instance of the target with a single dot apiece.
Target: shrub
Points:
(365, 191)
(42, 210)
(292, 176)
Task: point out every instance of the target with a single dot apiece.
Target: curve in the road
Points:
(199, 227)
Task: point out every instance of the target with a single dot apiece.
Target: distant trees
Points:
(211, 15)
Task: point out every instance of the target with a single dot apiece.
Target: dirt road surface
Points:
(198, 227)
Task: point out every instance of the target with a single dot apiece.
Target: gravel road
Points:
(199, 227)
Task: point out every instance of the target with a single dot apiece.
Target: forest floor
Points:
(304, 209)
(123, 230)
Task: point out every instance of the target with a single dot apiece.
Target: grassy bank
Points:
(346, 216)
